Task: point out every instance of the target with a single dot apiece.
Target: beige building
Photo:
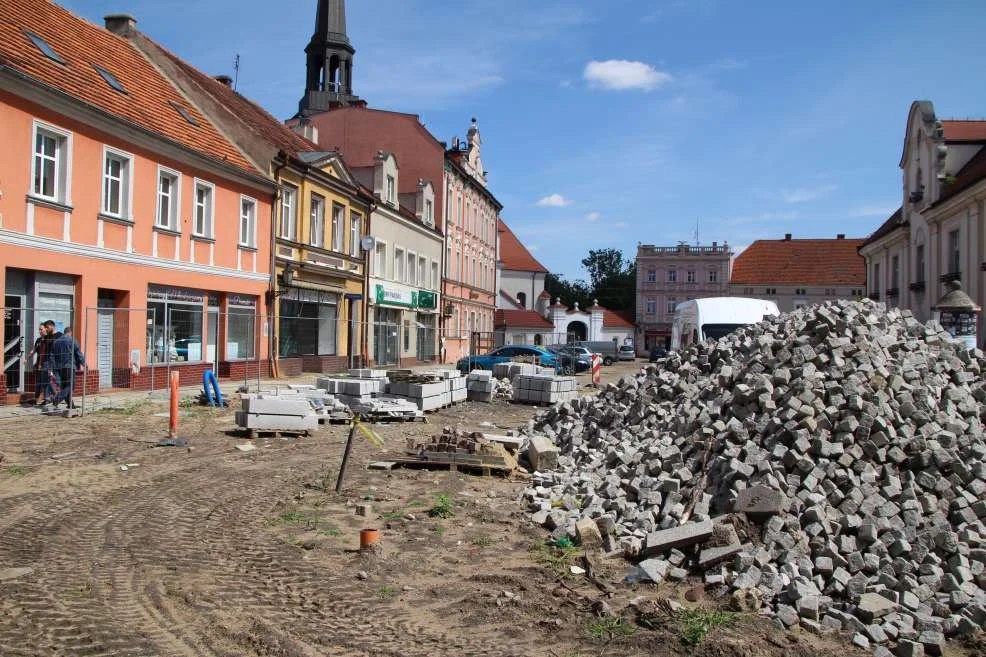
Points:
(668, 275)
(939, 233)
(799, 272)
(405, 268)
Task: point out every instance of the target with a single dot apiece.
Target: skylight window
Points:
(43, 46)
(110, 80)
(185, 114)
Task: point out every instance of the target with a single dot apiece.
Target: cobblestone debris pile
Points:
(829, 462)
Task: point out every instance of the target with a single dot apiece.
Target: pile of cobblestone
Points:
(829, 463)
(503, 390)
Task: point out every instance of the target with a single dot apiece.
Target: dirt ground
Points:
(213, 551)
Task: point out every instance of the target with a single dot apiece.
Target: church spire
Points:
(329, 82)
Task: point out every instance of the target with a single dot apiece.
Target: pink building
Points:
(121, 209)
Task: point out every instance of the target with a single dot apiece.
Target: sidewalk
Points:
(125, 398)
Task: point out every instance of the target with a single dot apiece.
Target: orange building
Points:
(123, 211)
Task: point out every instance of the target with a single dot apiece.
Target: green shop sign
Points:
(406, 298)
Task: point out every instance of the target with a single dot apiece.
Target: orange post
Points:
(173, 421)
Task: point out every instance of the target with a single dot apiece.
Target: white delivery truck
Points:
(699, 320)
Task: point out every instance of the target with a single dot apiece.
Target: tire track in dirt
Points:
(180, 564)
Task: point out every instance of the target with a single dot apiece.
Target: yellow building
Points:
(320, 266)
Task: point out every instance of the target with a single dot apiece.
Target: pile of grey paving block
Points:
(544, 389)
(387, 407)
(828, 464)
(325, 404)
(432, 390)
(273, 412)
(510, 370)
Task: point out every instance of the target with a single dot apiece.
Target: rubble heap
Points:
(503, 390)
(847, 439)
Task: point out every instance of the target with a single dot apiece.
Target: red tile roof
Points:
(618, 318)
(973, 172)
(521, 319)
(515, 255)
(800, 262)
(964, 129)
(147, 103)
(252, 115)
(895, 221)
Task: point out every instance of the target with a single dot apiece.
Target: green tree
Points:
(570, 292)
(603, 264)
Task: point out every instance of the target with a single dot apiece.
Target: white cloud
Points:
(872, 211)
(553, 201)
(804, 194)
(623, 75)
(533, 248)
(620, 224)
(593, 216)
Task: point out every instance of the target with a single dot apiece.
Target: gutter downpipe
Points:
(272, 354)
(366, 288)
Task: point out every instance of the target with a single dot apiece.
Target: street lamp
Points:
(957, 313)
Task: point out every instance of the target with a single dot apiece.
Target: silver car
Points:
(627, 353)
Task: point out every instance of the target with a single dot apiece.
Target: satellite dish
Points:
(368, 242)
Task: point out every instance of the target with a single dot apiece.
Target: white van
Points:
(699, 320)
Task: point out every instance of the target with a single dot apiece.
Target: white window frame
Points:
(391, 188)
(671, 305)
(690, 276)
(338, 228)
(713, 275)
(411, 273)
(355, 224)
(174, 208)
(380, 268)
(316, 237)
(434, 275)
(63, 162)
(126, 184)
(290, 222)
(210, 222)
(651, 275)
(400, 262)
(672, 276)
(422, 271)
(252, 227)
(429, 212)
(651, 307)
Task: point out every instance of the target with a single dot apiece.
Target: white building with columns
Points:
(939, 233)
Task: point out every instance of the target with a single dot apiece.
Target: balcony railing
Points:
(917, 286)
(684, 250)
(951, 276)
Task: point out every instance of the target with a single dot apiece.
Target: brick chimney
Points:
(120, 24)
(840, 236)
(225, 79)
(787, 237)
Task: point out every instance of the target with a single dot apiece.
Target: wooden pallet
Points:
(452, 466)
(334, 420)
(380, 418)
(272, 433)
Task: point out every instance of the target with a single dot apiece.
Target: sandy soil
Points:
(212, 551)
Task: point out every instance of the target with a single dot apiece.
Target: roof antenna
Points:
(236, 71)
(697, 243)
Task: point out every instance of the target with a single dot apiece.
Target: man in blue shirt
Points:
(64, 359)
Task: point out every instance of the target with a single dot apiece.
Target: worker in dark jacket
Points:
(64, 358)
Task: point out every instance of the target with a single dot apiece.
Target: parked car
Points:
(505, 354)
(607, 349)
(627, 353)
(657, 353)
(572, 362)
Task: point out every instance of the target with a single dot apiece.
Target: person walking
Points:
(36, 358)
(64, 359)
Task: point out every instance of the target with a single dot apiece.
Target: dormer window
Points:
(429, 213)
(391, 190)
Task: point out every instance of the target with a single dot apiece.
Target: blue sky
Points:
(630, 121)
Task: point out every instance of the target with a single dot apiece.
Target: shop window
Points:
(407, 335)
(241, 332)
(175, 330)
(307, 324)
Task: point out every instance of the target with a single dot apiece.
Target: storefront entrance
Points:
(386, 329)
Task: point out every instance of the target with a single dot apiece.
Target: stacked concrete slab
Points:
(431, 390)
(544, 389)
(480, 386)
(358, 388)
(272, 412)
(387, 407)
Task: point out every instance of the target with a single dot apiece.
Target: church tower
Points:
(329, 82)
